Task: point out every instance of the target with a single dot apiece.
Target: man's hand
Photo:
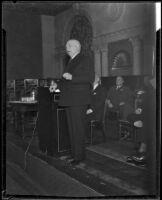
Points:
(138, 124)
(67, 76)
(121, 103)
(110, 105)
(89, 111)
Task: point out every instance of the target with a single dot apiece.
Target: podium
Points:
(63, 142)
(52, 123)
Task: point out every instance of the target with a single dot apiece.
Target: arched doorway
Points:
(81, 29)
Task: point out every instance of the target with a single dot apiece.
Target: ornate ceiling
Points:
(37, 7)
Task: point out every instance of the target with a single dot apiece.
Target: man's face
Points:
(71, 48)
(119, 81)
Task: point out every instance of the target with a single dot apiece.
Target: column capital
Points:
(136, 40)
(104, 49)
(137, 59)
(95, 48)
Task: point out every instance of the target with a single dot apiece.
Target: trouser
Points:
(76, 117)
(124, 111)
(141, 131)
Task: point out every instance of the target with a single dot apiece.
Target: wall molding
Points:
(101, 41)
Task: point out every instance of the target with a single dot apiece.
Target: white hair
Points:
(74, 42)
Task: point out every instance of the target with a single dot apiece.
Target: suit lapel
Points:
(72, 65)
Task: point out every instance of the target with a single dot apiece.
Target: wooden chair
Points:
(126, 129)
(99, 124)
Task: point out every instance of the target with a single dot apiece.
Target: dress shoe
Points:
(140, 164)
(125, 136)
(69, 160)
(139, 158)
(75, 162)
(129, 159)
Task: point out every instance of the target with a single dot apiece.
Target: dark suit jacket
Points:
(78, 90)
(149, 112)
(124, 94)
(97, 102)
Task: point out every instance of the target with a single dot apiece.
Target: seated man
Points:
(120, 99)
(144, 118)
(95, 110)
(137, 115)
(137, 119)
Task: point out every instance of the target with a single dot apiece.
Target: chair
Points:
(113, 115)
(30, 121)
(137, 126)
(111, 123)
(125, 129)
(98, 124)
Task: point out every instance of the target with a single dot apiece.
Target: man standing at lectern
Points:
(75, 96)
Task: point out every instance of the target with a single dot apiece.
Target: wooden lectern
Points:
(52, 123)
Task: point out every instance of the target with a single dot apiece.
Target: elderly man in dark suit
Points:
(120, 98)
(75, 96)
(96, 108)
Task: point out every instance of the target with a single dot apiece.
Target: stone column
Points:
(97, 62)
(48, 44)
(105, 70)
(62, 55)
(59, 61)
(137, 55)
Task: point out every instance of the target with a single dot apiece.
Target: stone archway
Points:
(80, 27)
(82, 31)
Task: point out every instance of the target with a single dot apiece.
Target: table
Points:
(19, 108)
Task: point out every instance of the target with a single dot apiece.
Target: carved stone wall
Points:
(120, 57)
(104, 51)
(110, 22)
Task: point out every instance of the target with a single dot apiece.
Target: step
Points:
(110, 161)
(117, 150)
(18, 181)
(54, 182)
(107, 182)
(96, 184)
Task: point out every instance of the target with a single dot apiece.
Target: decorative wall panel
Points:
(120, 57)
(115, 10)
